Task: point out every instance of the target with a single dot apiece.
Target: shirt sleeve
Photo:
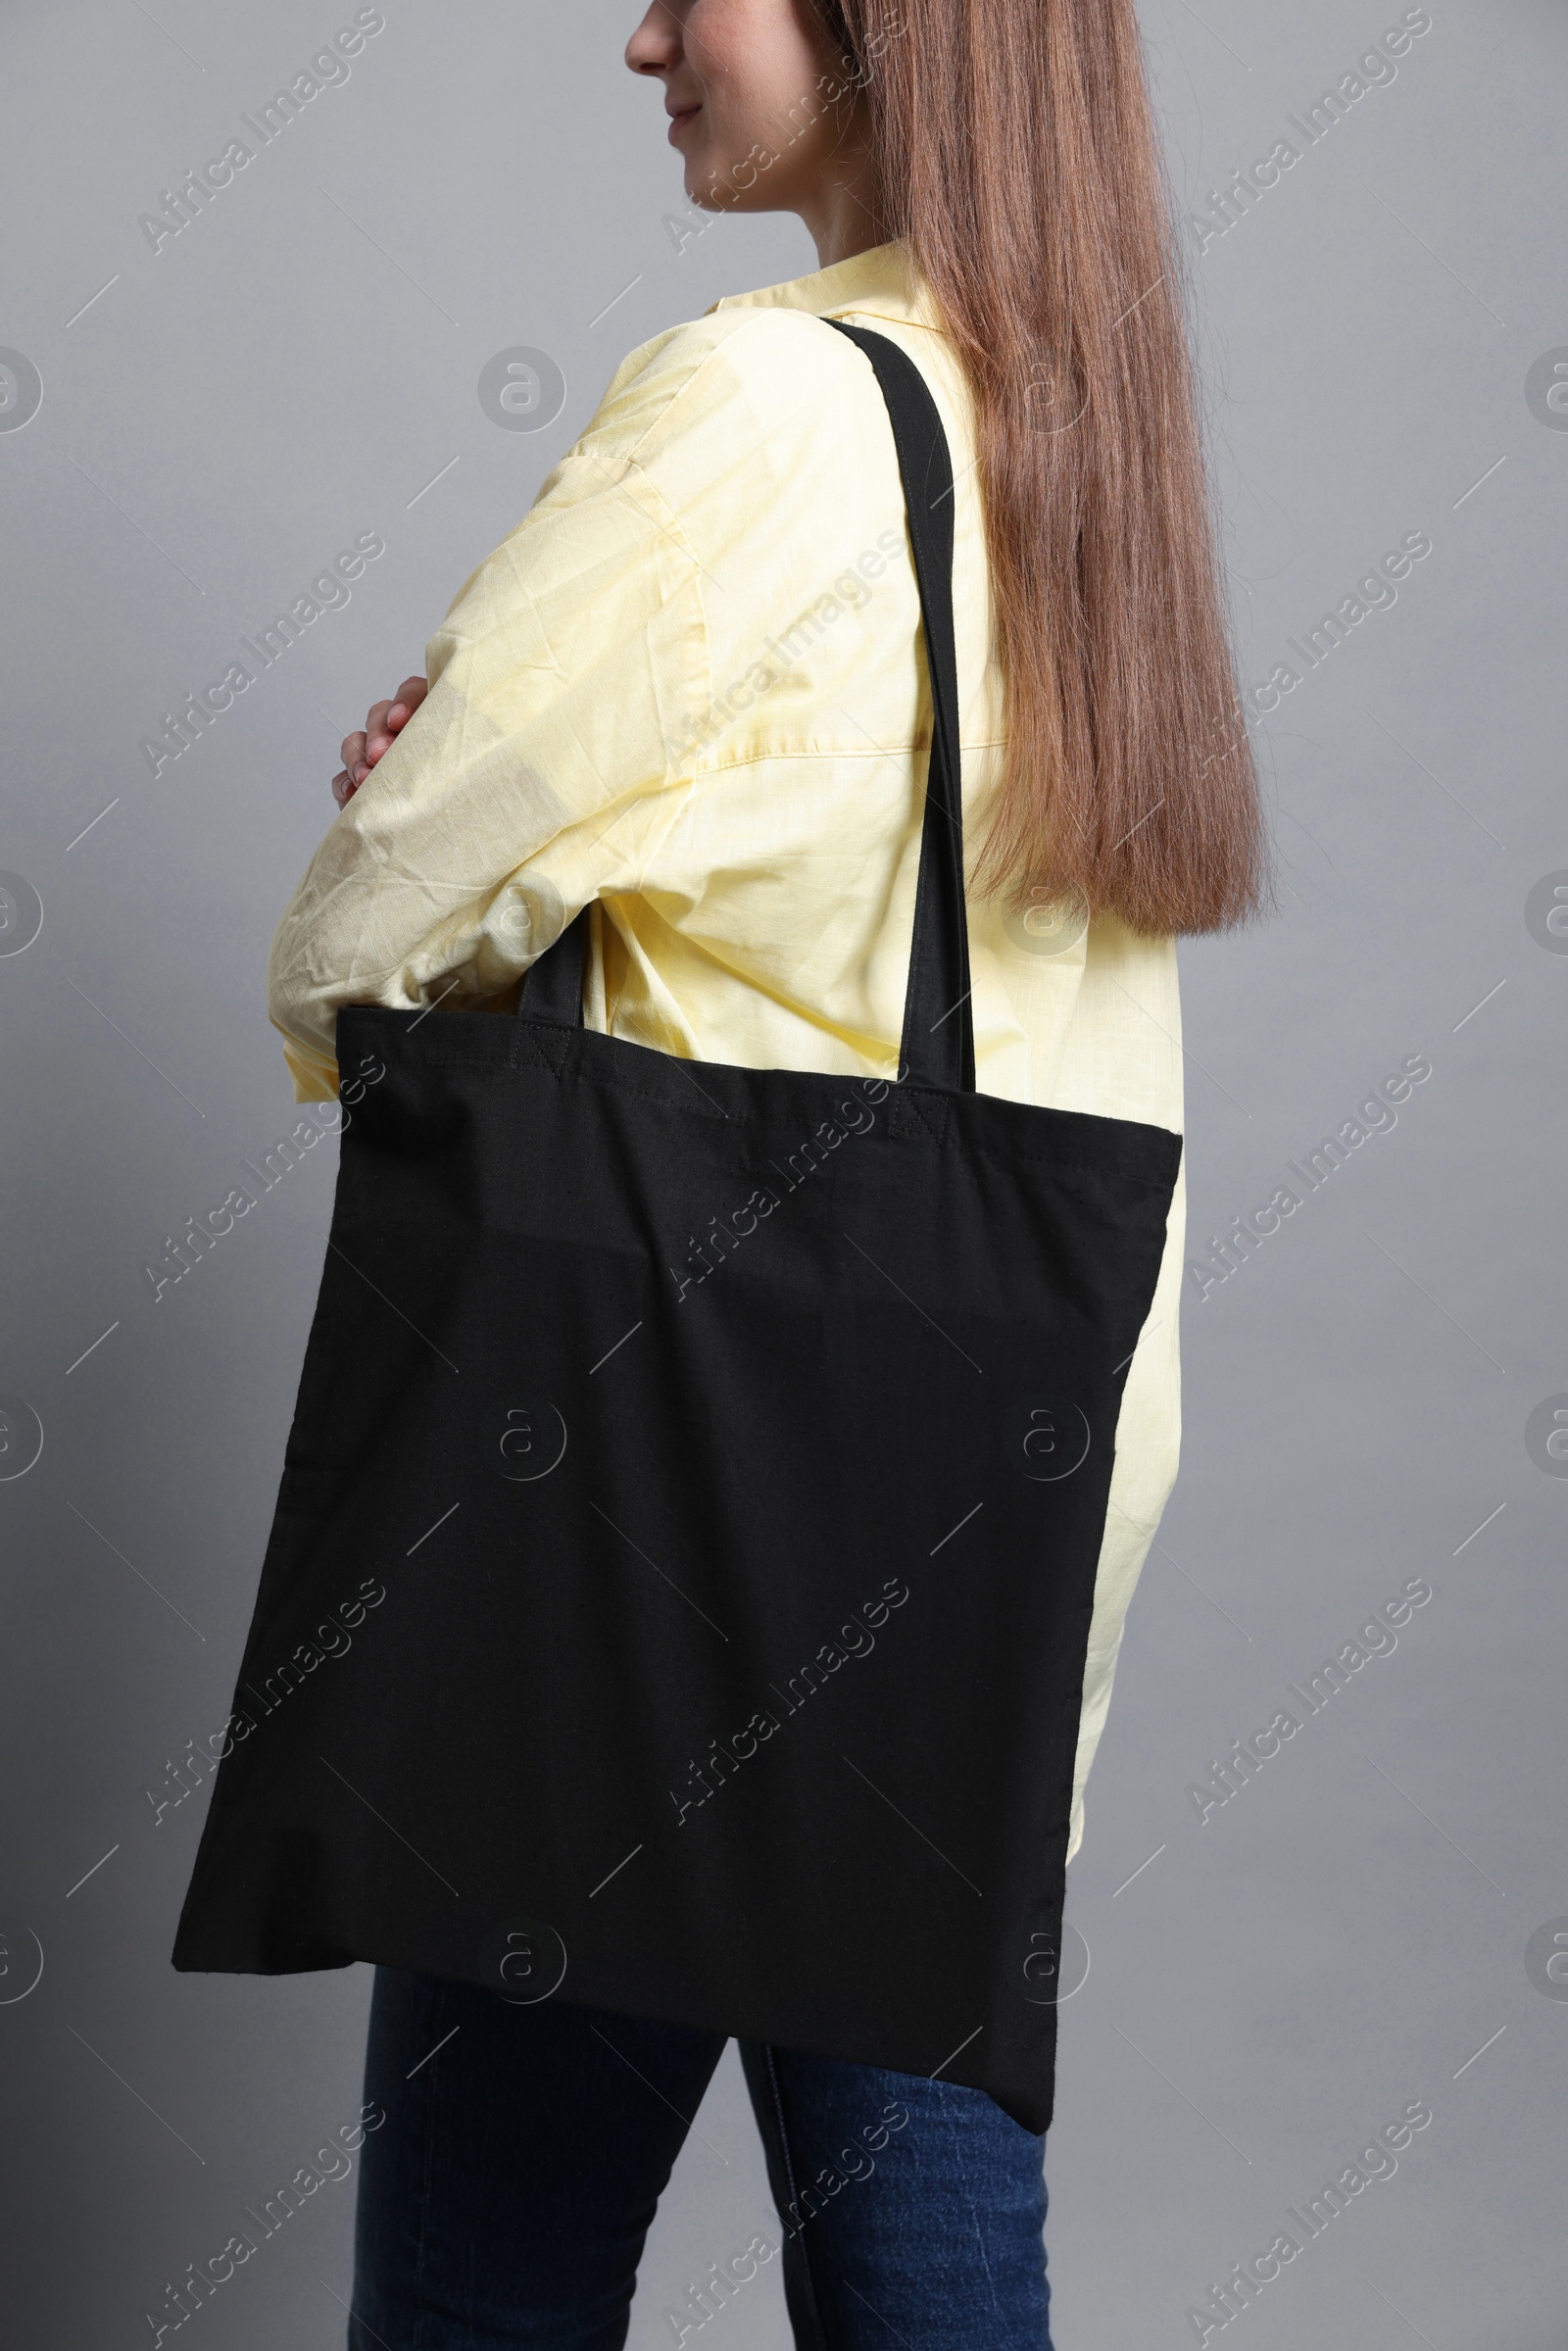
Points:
(568, 675)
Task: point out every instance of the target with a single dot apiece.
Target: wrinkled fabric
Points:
(689, 684)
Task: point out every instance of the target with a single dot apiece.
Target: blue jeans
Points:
(504, 2199)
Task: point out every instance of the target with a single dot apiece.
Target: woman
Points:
(689, 692)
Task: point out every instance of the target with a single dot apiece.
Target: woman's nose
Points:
(655, 46)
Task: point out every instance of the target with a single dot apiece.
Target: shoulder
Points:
(740, 374)
(754, 422)
(700, 429)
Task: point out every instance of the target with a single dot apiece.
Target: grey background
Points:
(294, 369)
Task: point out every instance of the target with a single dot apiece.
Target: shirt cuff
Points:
(316, 1078)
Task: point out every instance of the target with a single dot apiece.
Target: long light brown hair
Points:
(1016, 151)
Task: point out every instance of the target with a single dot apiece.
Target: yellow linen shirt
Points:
(690, 686)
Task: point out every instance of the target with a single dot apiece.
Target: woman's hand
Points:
(385, 719)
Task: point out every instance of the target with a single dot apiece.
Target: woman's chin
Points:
(710, 189)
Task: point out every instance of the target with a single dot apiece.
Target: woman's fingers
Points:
(388, 719)
(377, 737)
(384, 721)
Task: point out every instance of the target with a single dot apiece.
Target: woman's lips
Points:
(679, 119)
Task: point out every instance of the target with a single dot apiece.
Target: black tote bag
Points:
(680, 1582)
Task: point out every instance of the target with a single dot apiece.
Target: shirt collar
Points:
(881, 282)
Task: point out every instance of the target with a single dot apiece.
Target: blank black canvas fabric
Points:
(680, 1582)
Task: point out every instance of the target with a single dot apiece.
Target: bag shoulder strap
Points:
(938, 1042)
(938, 1018)
(552, 987)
